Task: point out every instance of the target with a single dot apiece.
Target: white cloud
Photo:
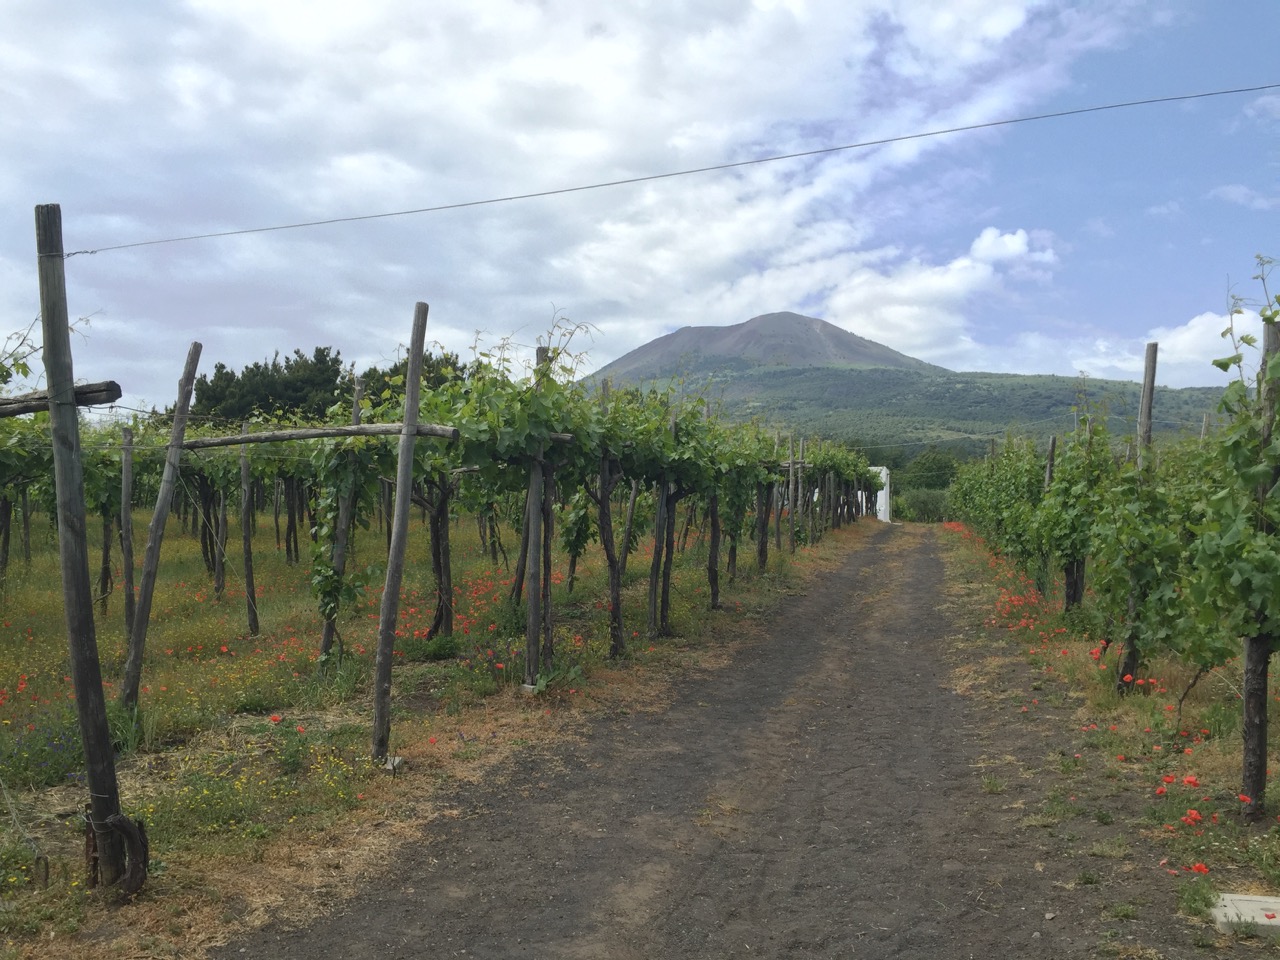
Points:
(1170, 208)
(1099, 227)
(1184, 358)
(1245, 196)
(1266, 107)
(992, 246)
(1201, 340)
(914, 307)
(924, 309)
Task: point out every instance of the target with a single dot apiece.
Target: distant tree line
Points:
(304, 386)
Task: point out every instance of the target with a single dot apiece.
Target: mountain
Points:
(805, 375)
(771, 341)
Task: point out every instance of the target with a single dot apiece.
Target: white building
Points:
(882, 498)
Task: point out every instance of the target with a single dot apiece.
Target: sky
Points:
(1055, 246)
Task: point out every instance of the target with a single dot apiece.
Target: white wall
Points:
(882, 499)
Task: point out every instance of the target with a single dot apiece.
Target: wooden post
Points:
(387, 509)
(802, 496)
(522, 559)
(655, 565)
(291, 520)
(343, 530)
(126, 525)
(793, 492)
(535, 507)
(6, 525)
(246, 538)
(68, 472)
(662, 493)
(533, 574)
(155, 534)
(713, 543)
(1137, 592)
(26, 527)
(548, 536)
(775, 497)
(610, 474)
(1258, 648)
(1145, 404)
(764, 499)
(713, 550)
(276, 486)
(104, 571)
(220, 547)
(625, 552)
(668, 555)
(390, 609)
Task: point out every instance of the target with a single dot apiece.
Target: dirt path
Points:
(821, 796)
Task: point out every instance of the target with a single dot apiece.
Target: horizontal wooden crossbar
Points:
(319, 433)
(87, 395)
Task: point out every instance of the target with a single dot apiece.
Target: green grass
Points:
(1123, 911)
(1197, 897)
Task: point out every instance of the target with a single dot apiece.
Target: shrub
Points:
(922, 506)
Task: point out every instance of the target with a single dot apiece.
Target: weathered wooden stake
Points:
(390, 609)
(625, 551)
(126, 525)
(220, 547)
(132, 679)
(343, 530)
(1258, 648)
(246, 538)
(793, 492)
(86, 672)
(764, 501)
(105, 580)
(548, 536)
(802, 495)
(26, 527)
(533, 572)
(1146, 403)
(1132, 654)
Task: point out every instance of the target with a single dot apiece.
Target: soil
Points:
(839, 787)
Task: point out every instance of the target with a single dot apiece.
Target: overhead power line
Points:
(649, 178)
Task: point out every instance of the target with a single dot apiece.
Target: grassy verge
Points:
(248, 760)
(1164, 761)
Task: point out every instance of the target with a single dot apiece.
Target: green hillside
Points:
(772, 368)
(882, 406)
